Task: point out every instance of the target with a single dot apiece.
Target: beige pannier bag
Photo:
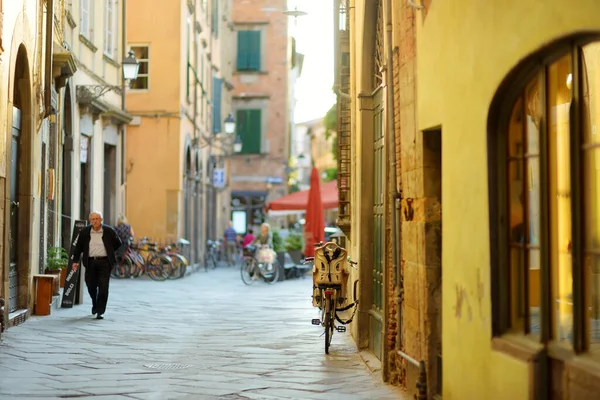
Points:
(330, 268)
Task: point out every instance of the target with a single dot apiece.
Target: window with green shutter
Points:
(248, 55)
(249, 129)
(216, 117)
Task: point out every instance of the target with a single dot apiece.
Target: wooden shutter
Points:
(249, 129)
(254, 51)
(242, 53)
(216, 115)
(248, 51)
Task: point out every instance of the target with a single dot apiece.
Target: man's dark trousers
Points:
(97, 276)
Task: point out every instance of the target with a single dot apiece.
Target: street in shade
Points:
(208, 336)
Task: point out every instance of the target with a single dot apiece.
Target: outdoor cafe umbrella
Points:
(315, 218)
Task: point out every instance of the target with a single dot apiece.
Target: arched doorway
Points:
(67, 170)
(187, 191)
(198, 193)
(19, 185)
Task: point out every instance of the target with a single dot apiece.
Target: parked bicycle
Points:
(259, 263)
(210, 255)
(330, 277)
(144, 257)
(179, 263)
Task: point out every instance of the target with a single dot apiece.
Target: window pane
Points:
(517, 298)
(591, 185)
(533, 113)
(559, 101)
(534, 291)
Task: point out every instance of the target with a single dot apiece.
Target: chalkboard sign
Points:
(72, 278)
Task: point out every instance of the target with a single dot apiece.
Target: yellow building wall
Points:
(155, 147)
(157, 24)
(152, 181)
(464, 50)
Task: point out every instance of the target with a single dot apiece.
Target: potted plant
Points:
(294, 244)
(280, 250)
(56, 263)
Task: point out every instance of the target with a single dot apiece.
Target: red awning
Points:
(299, 200)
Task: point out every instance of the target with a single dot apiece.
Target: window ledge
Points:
(520, 347)
(237, 72)
(88, 43)
(111, 60)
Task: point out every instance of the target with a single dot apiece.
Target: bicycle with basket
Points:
(331, 269)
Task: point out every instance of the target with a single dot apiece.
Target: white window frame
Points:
(141, 60)
(110, 28)
(85, 20)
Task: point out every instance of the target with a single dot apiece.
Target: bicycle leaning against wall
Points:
(330, 279)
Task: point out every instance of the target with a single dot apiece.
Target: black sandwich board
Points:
(72, 279)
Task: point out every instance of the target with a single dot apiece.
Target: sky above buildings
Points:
(314, 39)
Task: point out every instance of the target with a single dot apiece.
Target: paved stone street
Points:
(207, 336)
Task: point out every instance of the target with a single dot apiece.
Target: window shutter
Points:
(242, 54)
(216, 117)
(249, 122)
(254, 51)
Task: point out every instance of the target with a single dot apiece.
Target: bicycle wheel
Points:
(270, 272)
(329, 310)
(159, 268)
(137, 267)
(213, 259)
(121, 270)
(247, 270)
(179, 266)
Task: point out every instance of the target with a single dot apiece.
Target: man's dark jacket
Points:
(81, 250)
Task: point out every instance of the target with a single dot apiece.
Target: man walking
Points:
(95, 246)
(230, 242)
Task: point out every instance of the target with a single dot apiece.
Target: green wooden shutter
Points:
(249, 129)
(216, 114)
(242, 53)
(254, 51)
(248, 51)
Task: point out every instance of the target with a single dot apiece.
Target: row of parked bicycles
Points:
(148, 258)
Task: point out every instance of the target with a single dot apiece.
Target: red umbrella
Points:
(315, 219)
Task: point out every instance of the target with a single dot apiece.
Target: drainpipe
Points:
(123, 88)
(394, 195)
(48, 58)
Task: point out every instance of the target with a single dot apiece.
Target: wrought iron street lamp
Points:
(89, 93)
(230, 127)
(131, 67)
(229, 124)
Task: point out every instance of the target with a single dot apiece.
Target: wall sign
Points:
(72, 278)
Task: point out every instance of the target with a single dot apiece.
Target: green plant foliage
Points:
(330, 174)
(57, 258)
(330, 121)
(294, 241)
(277, 242)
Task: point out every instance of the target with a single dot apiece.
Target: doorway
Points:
(110, 184)
(13, 269)
(86, 172)
(43, 192)
(432, 184)
(376, 311)
(20, 194)
(66, 181)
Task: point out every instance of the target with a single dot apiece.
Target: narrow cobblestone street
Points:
(207, 336)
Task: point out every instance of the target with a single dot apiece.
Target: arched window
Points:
(545, 198)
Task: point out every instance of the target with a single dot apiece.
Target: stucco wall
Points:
(465, 48)
(268, 87)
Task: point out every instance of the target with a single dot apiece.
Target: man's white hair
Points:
(98, 213)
